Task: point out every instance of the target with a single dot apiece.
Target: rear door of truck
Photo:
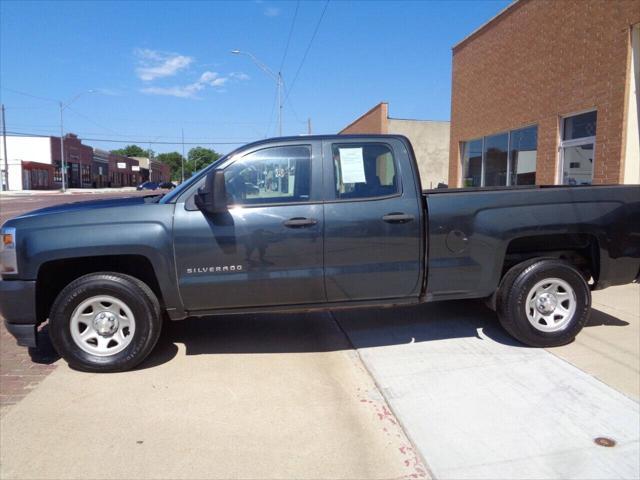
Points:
(373, 237)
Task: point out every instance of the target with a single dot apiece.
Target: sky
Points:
(147, 71)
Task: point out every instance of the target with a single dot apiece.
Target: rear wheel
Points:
(105, 322)
(544, 303)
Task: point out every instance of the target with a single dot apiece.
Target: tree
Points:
(174, 160)
(198, 158)
(133, 151)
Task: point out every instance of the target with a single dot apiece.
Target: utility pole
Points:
(4, 146)
(182, 160)
(309, 125)
(279, 104)
(63, 163)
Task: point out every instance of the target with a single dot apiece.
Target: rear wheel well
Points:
(579, 249)
(53, 276)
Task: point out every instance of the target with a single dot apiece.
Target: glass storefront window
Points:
(578, 164)
(523, 146)
(472, 163)
(578, 148)
(495, 160)
(579, 126)
(499, 160)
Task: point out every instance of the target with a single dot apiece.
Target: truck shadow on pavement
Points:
(338, 330)
(323, 331)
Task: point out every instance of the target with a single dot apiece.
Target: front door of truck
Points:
(267, 249)
(372, 221)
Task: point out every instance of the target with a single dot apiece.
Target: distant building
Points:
(430, 140)
(547, 93)
(123, 171)
(153, 170)
(35, 162)
(100, 168)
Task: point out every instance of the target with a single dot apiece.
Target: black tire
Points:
(137, 296)
(511, 302)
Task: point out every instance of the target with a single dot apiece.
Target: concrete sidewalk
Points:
(609, 349)
(477, 404)
(232, 397)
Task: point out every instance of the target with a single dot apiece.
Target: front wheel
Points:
(105, 322)
(544, 303)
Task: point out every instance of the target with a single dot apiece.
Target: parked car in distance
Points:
(311, 223)
(147, 186)
(167, 185)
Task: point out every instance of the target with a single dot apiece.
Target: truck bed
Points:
(474, 231)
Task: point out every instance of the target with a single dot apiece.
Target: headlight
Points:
(8, 256)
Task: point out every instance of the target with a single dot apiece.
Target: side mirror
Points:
(212, 197)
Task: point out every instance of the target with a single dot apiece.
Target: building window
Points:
(86, 174)
(472, 163)
(523, 149)
(501, 160)
(495, 160)
(57, 173)
(577, 148)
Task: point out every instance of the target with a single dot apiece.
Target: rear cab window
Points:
(364, 170)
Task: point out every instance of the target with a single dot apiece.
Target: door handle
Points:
(397, 217)
(300, 222)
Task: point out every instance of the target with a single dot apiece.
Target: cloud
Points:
(154, 64)
(239, 76)
(207, 79)
(271, 11)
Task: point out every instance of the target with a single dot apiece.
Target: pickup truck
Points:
(303, 223)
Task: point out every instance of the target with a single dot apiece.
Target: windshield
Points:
(176, 192)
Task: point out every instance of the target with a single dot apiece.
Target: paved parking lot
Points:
(435, 390)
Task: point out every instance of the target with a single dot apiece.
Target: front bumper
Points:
(18, 308)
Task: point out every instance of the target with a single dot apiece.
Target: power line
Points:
(29, 95)
(92, 121)
(154, 142)
(304, 57)
(286, 49)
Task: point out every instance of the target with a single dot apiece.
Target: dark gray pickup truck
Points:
(305, 223)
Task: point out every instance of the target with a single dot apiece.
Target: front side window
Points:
(578, 148)
(271, 175)
(364, 170)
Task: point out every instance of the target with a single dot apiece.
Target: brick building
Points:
(430, 140)
(123, 171)
(546, 93)
(153, 170)
(78, 159)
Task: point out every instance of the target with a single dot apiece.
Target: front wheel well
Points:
(54, 275)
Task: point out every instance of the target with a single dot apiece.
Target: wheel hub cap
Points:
(105, 323)
(546, 303)
(550, 305)
(102, 325)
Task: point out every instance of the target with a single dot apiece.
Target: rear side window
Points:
(364, 170)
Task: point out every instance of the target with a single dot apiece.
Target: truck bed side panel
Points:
(469, 233)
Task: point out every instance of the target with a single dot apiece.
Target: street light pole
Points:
(277, 77)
